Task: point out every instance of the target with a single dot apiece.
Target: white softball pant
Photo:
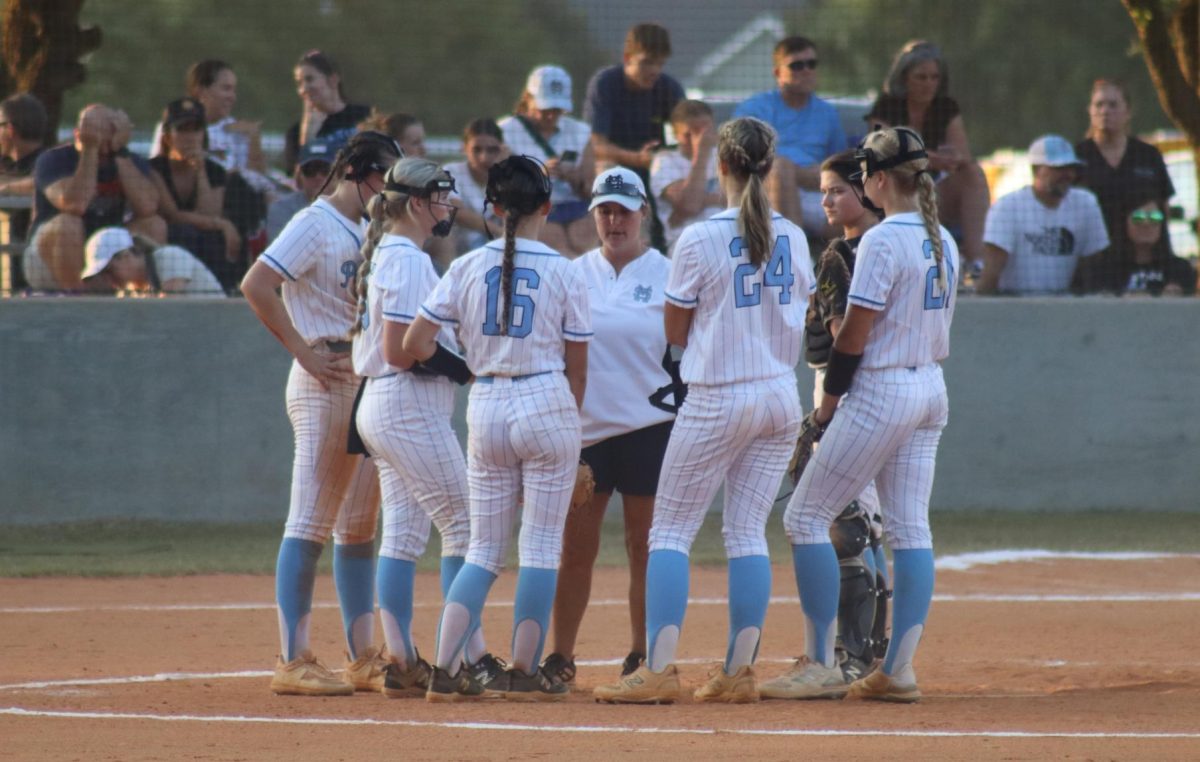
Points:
(328, 484)
(741, 434)
(869, 499)
(523, 441)
(887, 428)
(404, 420)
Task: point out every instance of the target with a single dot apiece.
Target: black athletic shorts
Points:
(629, 463)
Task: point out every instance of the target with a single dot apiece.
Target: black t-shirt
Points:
(893, 111)
(629, 118)
(216, 179)
(337, 128)
(1141, 168)
(107, 207)
(1116, 272)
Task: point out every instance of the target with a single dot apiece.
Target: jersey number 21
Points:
(777, 274)
(935, 298)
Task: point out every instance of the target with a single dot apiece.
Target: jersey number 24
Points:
(517, 329)
(777, 274)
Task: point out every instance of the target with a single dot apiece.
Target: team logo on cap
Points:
(556, 87)
(614, 184)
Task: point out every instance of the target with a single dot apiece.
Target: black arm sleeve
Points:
(448, 364)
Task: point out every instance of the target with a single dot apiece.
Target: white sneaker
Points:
(806, 679)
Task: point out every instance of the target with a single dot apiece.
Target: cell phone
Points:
(569, 156)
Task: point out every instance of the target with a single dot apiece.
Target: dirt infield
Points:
(1054, 658)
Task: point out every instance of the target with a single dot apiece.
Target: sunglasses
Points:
(1143, 218)
(315, 169)
(802, 64)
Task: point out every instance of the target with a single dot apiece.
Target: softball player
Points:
(624, 433)
(858, 530)
(521, 310)
(886, 361)
(315, 260)
(736, 299)
(404, 415)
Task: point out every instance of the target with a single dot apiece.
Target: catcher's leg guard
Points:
(850, 532)
(856, 611)
(879, 638)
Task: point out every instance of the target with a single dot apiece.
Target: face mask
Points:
(442, 228)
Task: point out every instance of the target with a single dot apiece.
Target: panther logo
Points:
(642, 293)
(349, 270)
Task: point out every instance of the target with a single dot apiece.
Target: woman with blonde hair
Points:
(881, 417)
(735, 299)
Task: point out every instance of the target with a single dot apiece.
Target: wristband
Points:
(448, 364)
(840, 372)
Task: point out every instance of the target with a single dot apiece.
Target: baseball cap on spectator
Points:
(550, 87)
(184, 111)
(104, 244)
(1052, 151)
(620, 186)
(316, 150)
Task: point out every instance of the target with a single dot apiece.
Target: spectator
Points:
(326, 113)
(82, 186)
(1113, 160)
(191, 193)
(809, 131)
(22, 140)
(405, 129)
(312, 169)
(1140, 261)
(120, 262)
(1035, 236)
(483, 145)
(627, 107)
(540, 128)
(915, 95)
(684, 180)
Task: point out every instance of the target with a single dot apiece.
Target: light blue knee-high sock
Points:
(394, 579)
(666, 604)
(881, 562)
(449, 570)
(749, 594)
(295, 575)
(354, 578)
(912, 593)
(819, 581)
(531, 616)
(461, 614)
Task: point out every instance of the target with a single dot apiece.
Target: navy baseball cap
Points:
(316, 150)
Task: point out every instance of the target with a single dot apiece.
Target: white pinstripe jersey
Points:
(748, 322)
(895, 274)
(549, 306)
(317, 254)
(401, 276)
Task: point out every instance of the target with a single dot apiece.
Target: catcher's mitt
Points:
(585, 486)
(810, 434)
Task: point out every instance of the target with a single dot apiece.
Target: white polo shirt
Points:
(626, 352)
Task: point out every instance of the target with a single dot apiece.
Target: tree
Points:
(1171, 48)
(42, 43)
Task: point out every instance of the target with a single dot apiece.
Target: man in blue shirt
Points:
(809, 132)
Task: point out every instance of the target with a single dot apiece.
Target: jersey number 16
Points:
(777, 274)
(520, 324)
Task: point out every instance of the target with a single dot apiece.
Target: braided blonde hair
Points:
(382, 208)
(913, 178)
(746, 147)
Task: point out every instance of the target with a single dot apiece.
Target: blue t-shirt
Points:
(807, 136)
(629, 118)
(108, 205)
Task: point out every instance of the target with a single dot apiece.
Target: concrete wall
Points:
(174, 409)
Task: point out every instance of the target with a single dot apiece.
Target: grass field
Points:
(130, 548)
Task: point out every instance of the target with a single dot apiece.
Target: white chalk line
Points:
(622, 729)
(714, 601)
